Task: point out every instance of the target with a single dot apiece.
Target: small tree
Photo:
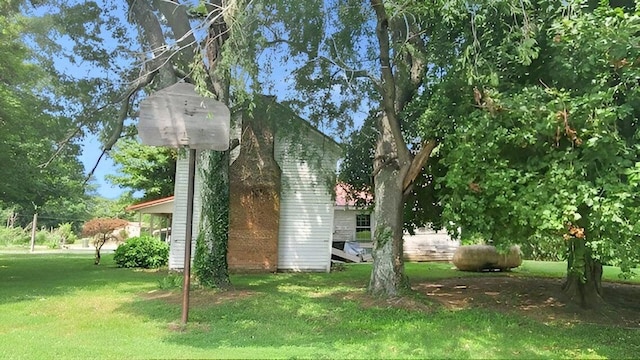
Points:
(102, 229)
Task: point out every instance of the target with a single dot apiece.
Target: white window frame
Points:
(363, 228)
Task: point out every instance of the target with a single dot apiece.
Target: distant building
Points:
(356, 223)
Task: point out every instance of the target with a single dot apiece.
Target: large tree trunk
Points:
(212, 253)
(387, 277)
(583, 284)
(394, 166)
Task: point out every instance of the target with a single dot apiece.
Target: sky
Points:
(91, 150)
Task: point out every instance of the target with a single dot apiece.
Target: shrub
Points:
(45, 237)
(13, 236)
(53, 243)
(143, 252)
(171, 281)
(66, 234)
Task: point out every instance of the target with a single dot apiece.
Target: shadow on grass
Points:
(26, 276)
(311, 316)
(330, 316)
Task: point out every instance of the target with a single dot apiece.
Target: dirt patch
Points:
(177, 327)
(539, 298)
(368, 301)
(197, 297)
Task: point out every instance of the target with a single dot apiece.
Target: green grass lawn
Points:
(62, 306)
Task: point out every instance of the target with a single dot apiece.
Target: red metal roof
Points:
(344, 197)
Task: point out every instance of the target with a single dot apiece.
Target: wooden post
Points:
(187, 241)
(34, 226)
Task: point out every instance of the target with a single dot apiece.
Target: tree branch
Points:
(124, 110)
(86, 180)
(153, 38)
(411, 63)
(418, 163)
(349, 72)
(381, 163)
(388, 85)
(122, 115)
(217, 36)
(61, 146)
(178, 20)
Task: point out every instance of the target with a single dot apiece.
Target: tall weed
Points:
(14, 236)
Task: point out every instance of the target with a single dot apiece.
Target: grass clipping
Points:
(486, 257)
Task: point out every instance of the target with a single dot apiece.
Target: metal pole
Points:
(34, 225)
(187, 241)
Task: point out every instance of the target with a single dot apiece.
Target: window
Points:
(363, 227)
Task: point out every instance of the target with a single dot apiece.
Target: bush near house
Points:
(142, 252)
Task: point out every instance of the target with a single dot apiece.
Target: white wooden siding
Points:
(179, 222)
(306, 204)
(429, 245)
(344, 225)
(306, 207)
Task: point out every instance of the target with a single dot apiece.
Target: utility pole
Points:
(34, 226)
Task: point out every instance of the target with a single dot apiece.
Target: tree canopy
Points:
(147, 169)
(39, 158)
(537, 125)
(545, 148)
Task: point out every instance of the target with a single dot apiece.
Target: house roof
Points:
(159, 206)
(287, 112)
(344, 197)
(347, 198)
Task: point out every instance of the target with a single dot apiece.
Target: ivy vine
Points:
(210, 261)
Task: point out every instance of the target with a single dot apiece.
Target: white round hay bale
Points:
(486, 257)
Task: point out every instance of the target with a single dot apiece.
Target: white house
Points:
(303, 240)
(294, 225)
(161, 209)
(304, 211)
(354, 224)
